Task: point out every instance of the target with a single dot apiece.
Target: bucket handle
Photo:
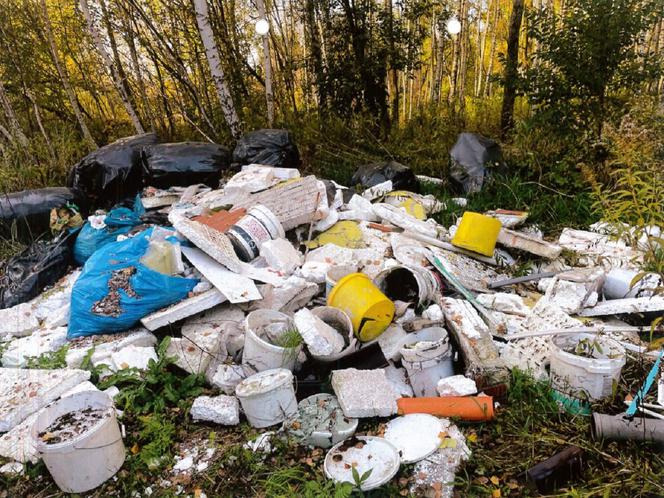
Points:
(97, 447)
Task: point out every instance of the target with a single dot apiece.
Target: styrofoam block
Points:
(133, 357)
(456, 385)
(223, 410)
(39, 343)
(281, 255)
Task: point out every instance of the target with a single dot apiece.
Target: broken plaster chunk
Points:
(223, 410)
(23, 392)
(321, 339)
(133, 357)
(12, 469)
(33, 346)
(392, 340)
(398, 377)
(102, 346)
(463, 318)
(227, 377)
(191, 356)
(364, 393)
(504, 302)
(433, 313)
(456, 385)
(281, 255)
(19, 320)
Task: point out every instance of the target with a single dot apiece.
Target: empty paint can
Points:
(258, 226)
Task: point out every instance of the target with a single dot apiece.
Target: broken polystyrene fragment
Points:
(223, 410)
(456, 385)
(281, 255)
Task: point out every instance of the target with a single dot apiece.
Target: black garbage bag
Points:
(372, 174)
(184, 164)
(31, 210)
(111, 173)
(27, 274)
(268, 147)
(473, 159)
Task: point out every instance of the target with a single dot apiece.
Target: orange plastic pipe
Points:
(469, 408)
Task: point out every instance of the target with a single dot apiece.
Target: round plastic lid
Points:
(416, 436)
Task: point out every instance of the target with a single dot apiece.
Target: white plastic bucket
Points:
(395, 280)
(336, 319)
(89, 459)
(256, 227)
(335, 274)
(618, 284)
(268, 397)
(427, 358)
(586, 378)
(260, 354)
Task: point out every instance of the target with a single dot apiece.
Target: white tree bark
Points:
(110, 65)
(13, 121)
(267, 67)
(64, 77)
(212, 54)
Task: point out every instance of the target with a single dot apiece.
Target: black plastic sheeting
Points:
(31, 210)
(402, 176)
(269, 147)
(27, 274)
(111, 173)
(184, 164)
(473, 159)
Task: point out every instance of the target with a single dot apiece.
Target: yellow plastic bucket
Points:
(477, 233)
(368, 308)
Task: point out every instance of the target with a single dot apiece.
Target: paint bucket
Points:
(427, 358)
(263, 329)
(89, 459)
(407, 283)
(268, 397)
(618, 284)
(586, 378)
(477, 233)
(248, 234)
(363, 453)
(368, 308)
(335, 274)
(339, 321)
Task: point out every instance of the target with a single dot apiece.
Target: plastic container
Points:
(335, 274)
(416, 435)
(268, 397)
(467, 408)
(427, 358)
(263, 328)
(339, 320)
(585, 378)
(258, 226)
(88, 460)
(362, 454)
(368, 308)
(618, 284)
(477, 233)
(406, 283)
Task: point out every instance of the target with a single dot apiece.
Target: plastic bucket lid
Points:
(416, 435)
(368, 308)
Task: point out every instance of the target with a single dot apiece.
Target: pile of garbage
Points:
(276, 285)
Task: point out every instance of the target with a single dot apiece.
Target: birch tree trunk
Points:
(492, 52)
(214, 60)
(13, 121)
(64, 77)
(110, 65)
(267, 67)
(35, 108)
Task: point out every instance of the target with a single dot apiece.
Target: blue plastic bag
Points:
(115, 290)
(119, 221)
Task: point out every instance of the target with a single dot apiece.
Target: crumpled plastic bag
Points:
(473, 157)
(31, 210)
(268, 147)
(115, 290)
(184, 164)
(99, 231)
(111, 173)
(27, 274)
(401, 176)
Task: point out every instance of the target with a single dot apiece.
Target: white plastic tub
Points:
(395, 281)
(586, 378)
(89, 459)
(427, 357)
(268, 397)
(254, 229)
(259, 353)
